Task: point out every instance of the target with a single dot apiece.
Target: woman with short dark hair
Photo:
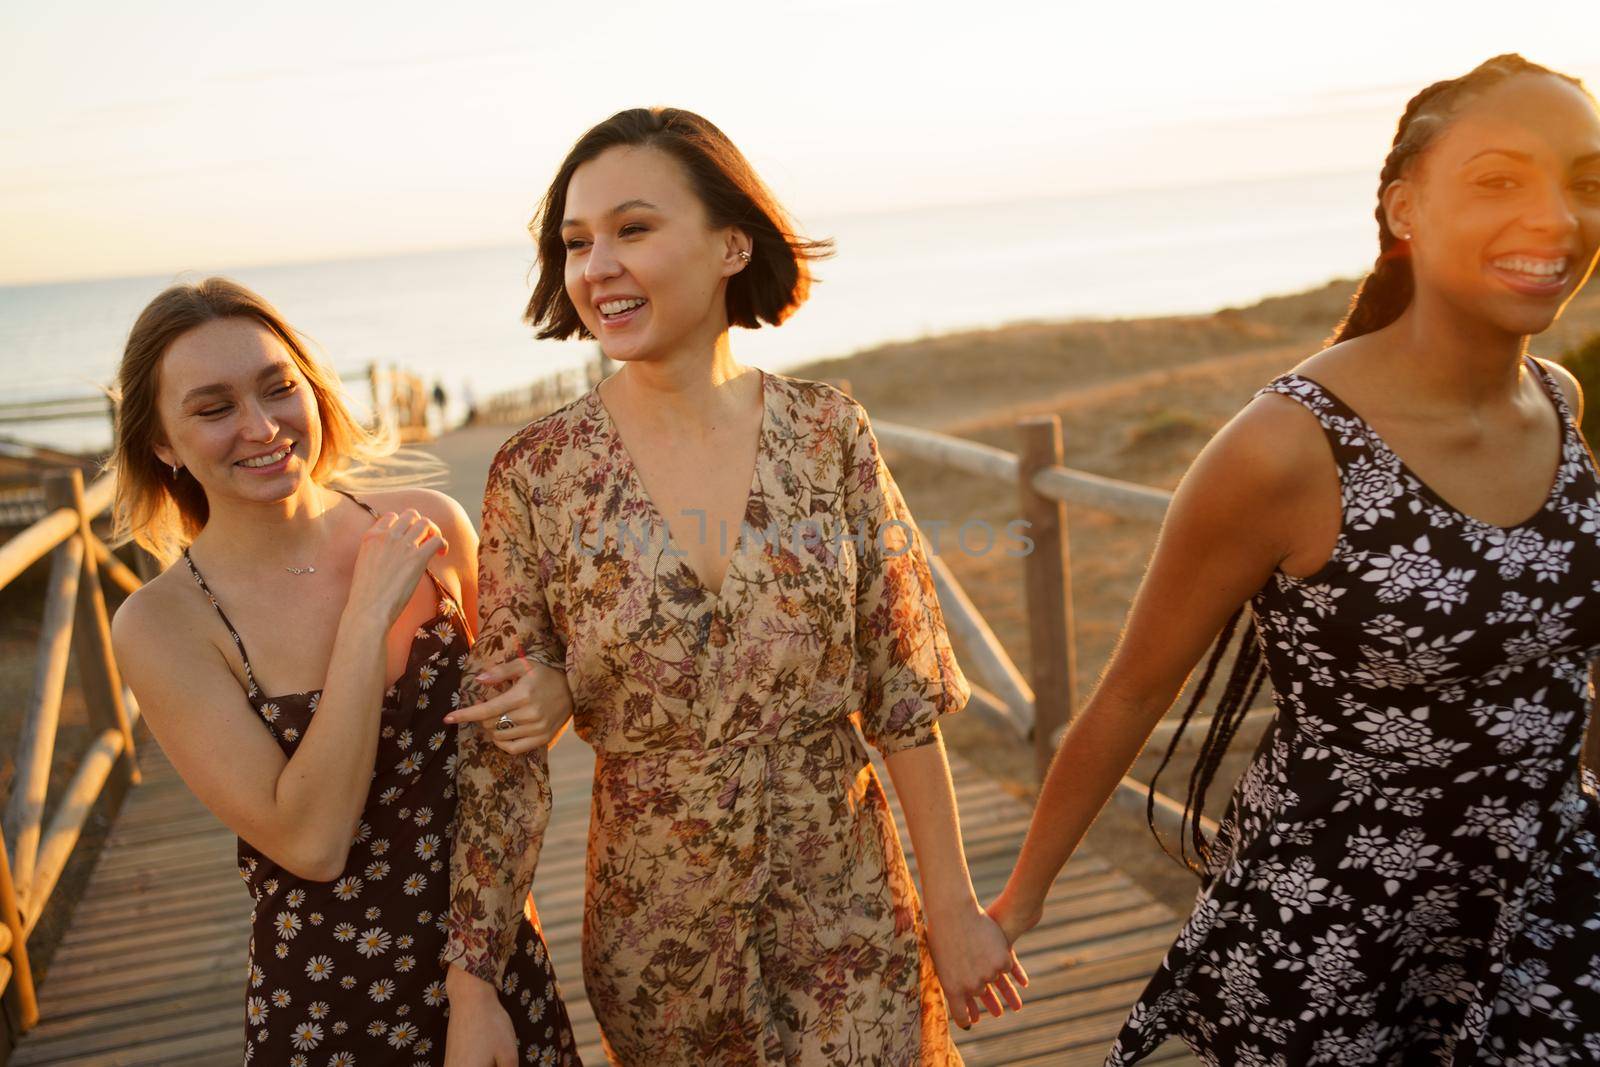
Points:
(719, 563)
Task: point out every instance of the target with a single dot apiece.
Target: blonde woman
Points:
(296, 664)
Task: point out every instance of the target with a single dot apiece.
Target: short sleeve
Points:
(902, 649)
(503, 800)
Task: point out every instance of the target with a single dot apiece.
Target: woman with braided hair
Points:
(1409, 869)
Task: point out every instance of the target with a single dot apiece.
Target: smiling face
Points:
(1503, 208)
(644, 268)
(237, 413)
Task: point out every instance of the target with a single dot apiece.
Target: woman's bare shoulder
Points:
(166, 614)
(442, 509)
(1269, 446)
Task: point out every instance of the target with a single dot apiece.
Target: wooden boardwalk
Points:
(152, 971)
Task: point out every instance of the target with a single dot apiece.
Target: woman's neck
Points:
(693, 388)
(1459, 362)
(291, 532)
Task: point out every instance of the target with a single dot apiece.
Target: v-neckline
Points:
(751, 493)
(1557, 482)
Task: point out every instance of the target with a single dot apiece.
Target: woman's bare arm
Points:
(969, 951)
(303, 811)
(1261, 491)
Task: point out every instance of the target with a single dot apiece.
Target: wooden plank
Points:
(153, 969)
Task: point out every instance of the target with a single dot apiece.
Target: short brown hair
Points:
(161, 511)
(778, 277)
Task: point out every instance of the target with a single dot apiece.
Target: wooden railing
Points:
(1036, 712)
(33, 852)
(550, 393)
(402, 398)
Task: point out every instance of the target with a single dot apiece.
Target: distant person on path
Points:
(441, 401)
(325, 745)
(1409, 870)
(469, 399)
(747, 899)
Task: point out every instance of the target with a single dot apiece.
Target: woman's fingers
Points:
(1008, 992)
(510, 671)
(990, 1001)
(520, 747)
(1017, 970)
(492, 708)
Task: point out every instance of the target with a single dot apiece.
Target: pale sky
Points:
(156, 137)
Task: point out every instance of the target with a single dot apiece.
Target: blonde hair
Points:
(163, 512)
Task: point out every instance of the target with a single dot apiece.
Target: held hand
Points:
(1013, 918)
(479, 1033)
(394, 552)
(975, 964)
(538, 705)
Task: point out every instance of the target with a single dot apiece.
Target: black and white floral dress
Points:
(1407, 873)
(347, 973)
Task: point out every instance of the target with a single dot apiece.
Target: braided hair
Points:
(1387, 290)
(1383, 295)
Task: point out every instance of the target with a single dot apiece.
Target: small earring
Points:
(744, 255)
(1405, 237)
(174, 470)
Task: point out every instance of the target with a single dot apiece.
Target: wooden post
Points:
(373, 374)
(21, 985)
(1048, 584)
(91, 632)
(36, 744)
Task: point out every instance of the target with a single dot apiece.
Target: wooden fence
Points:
(402, 398)
(550, 393)
(1036, 711)
(33, 851)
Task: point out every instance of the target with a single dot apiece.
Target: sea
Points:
(453, 316)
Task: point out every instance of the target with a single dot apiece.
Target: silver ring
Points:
(504, 723)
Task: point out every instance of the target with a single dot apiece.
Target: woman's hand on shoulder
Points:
(394, 552)
(458, 567)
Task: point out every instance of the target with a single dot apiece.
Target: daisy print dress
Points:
(347, 973)
(1407, 873)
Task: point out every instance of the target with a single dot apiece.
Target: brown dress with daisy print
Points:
(747, 902)
(347, 973)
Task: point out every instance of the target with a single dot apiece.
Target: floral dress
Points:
(1407, 873)
(347, 973)
(747, 901)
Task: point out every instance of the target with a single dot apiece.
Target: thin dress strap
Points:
(238, 642)
(1558, 395)
(367, 507)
